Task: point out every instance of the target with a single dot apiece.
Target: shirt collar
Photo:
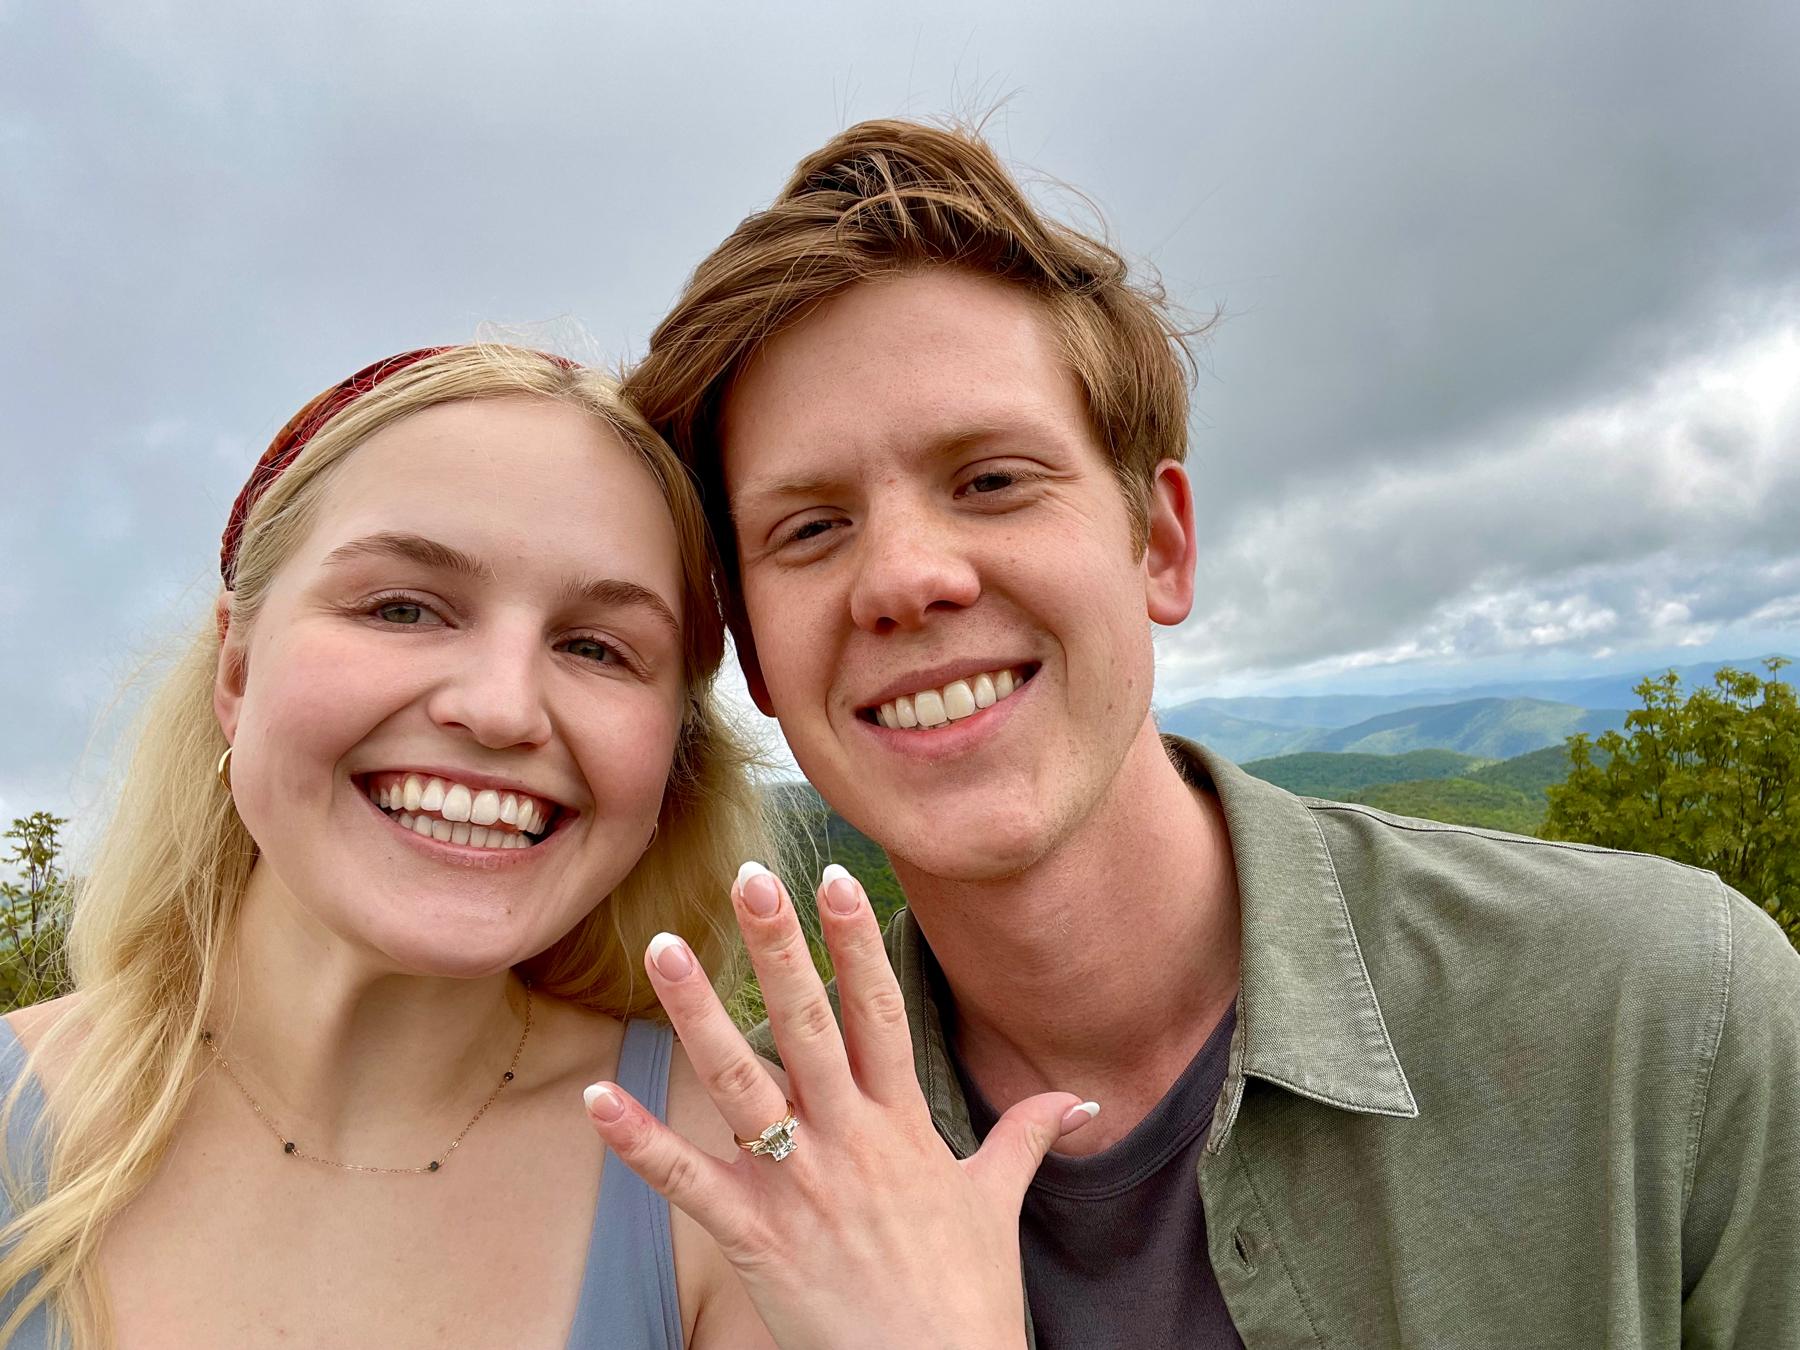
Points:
(1308, 1019)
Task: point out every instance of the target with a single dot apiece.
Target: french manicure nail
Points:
(671, 956)
(762, 896)
(1077, 1116)
(840, 889)
(602, 1102)
(750, 868)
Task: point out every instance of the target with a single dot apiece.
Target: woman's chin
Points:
(448, 949)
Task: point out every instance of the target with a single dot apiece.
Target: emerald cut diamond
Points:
(777, 1141)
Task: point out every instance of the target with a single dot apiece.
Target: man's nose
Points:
(909, 563)
(495, 691)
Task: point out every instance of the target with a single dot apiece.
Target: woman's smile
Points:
(463, 810)
(462, 844)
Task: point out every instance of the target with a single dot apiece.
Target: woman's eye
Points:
(400, 612)
(592, 649)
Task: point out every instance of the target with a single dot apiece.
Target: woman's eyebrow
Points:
(616, 593)
(608, 592)
(414, 548)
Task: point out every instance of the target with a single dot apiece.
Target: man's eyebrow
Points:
(614, 593)
(413, 548)
(777, 488)
(774, 489)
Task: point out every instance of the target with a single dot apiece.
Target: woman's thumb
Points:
(1010, 1154)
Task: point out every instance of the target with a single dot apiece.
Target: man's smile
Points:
(932, 706)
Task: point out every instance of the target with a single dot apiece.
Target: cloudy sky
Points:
(1509, 378)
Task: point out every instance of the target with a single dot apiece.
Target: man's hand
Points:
(871, 1234)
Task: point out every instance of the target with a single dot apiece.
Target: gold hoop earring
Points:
(655, 825)
(224, 769)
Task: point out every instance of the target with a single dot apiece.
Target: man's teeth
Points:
(956, 700)
(454, 813)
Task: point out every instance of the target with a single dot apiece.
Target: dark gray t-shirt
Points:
(1115, 1244)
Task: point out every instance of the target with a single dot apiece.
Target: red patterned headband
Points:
(292, 439)
(301, 428)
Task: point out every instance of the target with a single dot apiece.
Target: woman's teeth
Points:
(476, 836)
(454, 813)
(959, 699)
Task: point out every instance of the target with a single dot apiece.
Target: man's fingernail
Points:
(671, 956)
(1077, 1116)
(602, 1102)
(840, 889)
(762, 896)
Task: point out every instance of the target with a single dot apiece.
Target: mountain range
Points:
(1492, 721)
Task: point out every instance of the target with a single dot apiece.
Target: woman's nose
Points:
(496, 692)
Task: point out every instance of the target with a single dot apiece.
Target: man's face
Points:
(921, 503)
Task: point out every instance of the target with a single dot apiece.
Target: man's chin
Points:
(967, 850)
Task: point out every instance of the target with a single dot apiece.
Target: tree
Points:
(1712, 779)
(34, 913)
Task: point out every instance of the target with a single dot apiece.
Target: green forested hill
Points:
(1457, 801)
(1530, 773)
(1325, 774)
(1442, 785)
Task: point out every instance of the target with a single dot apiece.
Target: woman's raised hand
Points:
(871, 1233)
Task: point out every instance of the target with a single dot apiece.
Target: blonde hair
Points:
(155, 912)
(890, 197)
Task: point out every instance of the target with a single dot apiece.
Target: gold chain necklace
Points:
(293, 1150)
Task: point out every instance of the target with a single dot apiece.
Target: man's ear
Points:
(748, 663)
(1171, 546)
(229, 675)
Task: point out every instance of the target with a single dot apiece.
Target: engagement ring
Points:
(775, 1142)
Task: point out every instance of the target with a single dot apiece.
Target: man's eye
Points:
(811, 530)
(991, 482)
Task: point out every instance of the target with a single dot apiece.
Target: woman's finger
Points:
(800, 1015)
(875, 1032)
(684, 1174)
(736, 1080)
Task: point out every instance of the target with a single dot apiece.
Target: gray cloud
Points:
(1647, 520)
(1444, 237)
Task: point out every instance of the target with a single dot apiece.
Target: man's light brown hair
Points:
(889, 197)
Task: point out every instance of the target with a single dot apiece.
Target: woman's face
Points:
(455, 713)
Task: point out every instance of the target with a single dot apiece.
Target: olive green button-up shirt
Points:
(1483, 1090)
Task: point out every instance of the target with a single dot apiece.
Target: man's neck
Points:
(1103, 967)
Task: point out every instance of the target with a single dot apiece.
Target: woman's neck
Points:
(357, 1061)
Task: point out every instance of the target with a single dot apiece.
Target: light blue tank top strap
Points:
(628, 1293)
(27, 1161)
